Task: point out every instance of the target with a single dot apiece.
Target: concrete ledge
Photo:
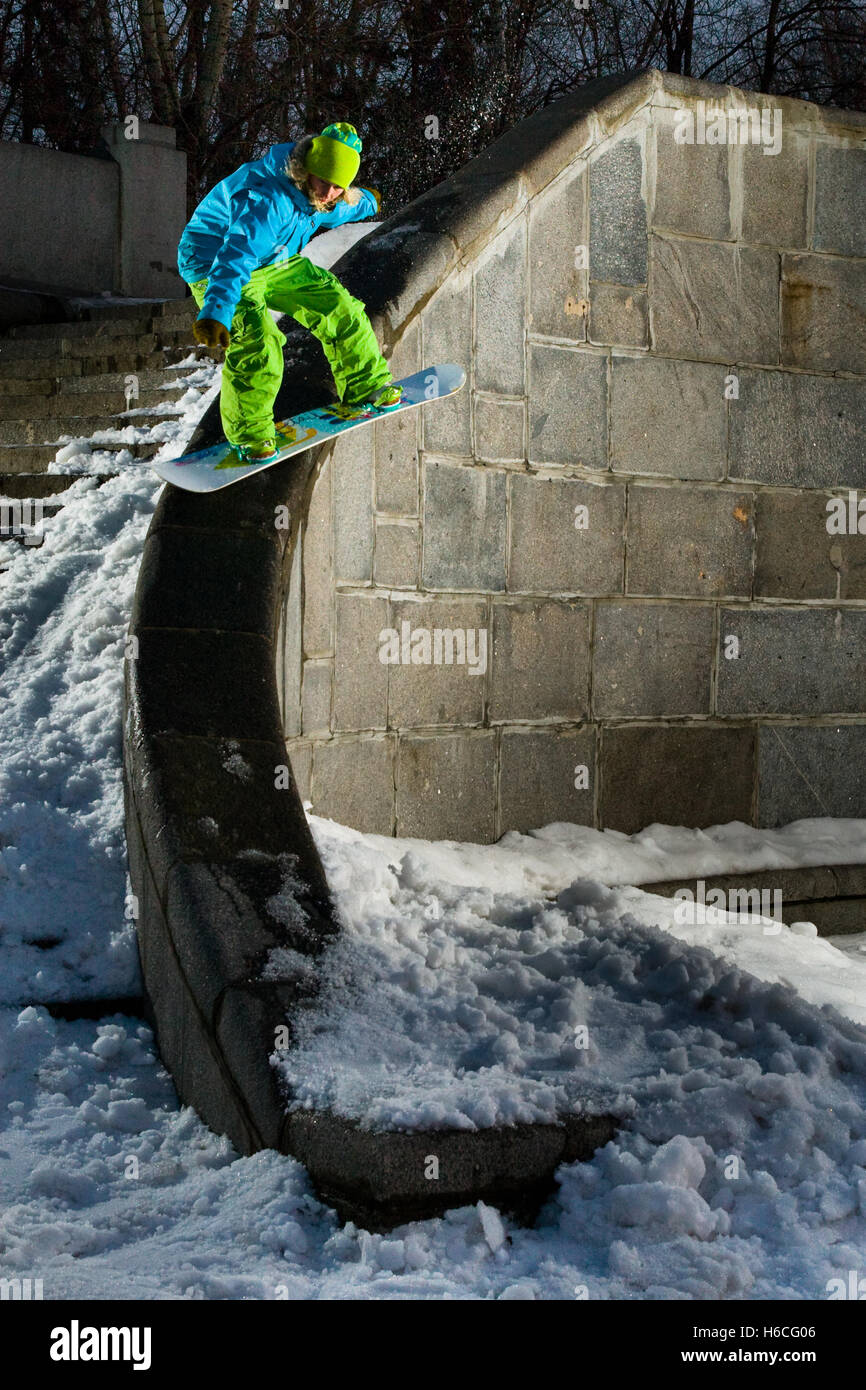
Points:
(366, 1175)
(212, 842)
(19, 305)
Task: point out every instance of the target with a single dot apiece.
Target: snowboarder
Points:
(239, 255)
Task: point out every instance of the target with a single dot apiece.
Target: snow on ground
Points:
(448, 1004)
(740, 1172)
(542, 861)
(733, 1052)
(64, 612)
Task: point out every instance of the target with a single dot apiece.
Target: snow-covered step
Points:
(42, 431)
(59, 345)
(35, 458)
(83, 328)
(42, 485)
(66, 403)
(160, 379)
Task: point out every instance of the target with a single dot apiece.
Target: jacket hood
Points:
(276, 159)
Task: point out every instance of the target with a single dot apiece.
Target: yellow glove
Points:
(378, 196)
(211, 333)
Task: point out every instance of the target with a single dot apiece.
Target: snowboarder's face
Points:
(323, 195)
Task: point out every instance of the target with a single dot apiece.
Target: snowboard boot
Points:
(256, 453)
(386, 397)
(383, 398)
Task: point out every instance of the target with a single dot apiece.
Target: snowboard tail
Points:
(208, 470)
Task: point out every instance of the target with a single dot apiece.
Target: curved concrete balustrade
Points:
(254, 638)
(212, 841)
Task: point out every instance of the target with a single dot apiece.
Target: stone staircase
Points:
(76, 378)
(79, 377)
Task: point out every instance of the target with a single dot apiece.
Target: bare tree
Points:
(429, 83)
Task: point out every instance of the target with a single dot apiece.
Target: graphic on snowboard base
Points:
(216, 467)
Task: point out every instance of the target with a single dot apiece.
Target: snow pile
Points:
(64, 927)
(740, 1171)
(546, 860)
(459, 1005)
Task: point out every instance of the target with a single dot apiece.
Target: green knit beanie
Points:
(335, 155)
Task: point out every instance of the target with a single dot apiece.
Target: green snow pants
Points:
(253, 366)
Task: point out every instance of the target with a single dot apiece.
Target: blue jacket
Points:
(252, 218)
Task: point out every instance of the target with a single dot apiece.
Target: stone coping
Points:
(212, 840)
(396, 1177)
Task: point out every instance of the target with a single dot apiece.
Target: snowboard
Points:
(218, 466)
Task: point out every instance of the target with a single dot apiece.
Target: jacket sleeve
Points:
(251, 238)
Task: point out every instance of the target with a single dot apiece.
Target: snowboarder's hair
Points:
(299, 174)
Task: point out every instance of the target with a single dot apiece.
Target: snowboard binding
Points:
(246, 454)
(386, 398)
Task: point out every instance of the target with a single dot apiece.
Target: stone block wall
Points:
(619, 527)
(74, 223)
